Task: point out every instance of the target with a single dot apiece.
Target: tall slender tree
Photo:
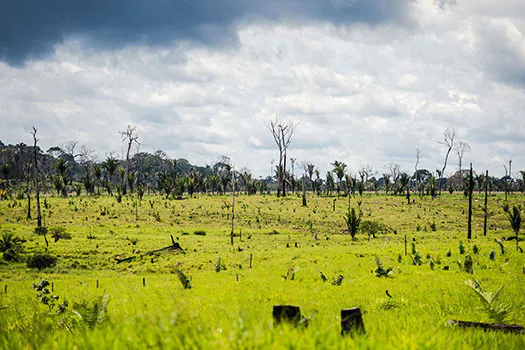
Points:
(339, 171)
(448, 141)
(130, 136)
(282, 132)
(35, 177)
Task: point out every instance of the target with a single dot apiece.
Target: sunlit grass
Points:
(232, 308)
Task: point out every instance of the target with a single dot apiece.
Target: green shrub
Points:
(41, 261)
(461, 248)
(468, 264)
(42, 230)
(58, 232)
(373, 227)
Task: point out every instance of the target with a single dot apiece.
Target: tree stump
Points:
(286, 314)
(352, 321)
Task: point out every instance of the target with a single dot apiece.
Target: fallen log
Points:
(175, 246)
(505, 328)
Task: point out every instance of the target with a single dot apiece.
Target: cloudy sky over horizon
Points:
(367, 82)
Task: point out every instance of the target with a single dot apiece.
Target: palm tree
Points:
(349, 183)
(329, 182)
(310, 168)
(110, 165)
(386, 177)
(514, 217)
(339, 171)
(97, 171)
(8, 241)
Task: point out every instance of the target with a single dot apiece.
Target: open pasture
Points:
(290, 247)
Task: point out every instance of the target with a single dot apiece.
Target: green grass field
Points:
(290, 246)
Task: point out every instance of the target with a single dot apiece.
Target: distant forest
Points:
(71, 169)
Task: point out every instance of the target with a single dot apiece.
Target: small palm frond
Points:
(496, 311)
(92, 315)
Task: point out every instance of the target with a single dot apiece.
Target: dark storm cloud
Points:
(30, 28)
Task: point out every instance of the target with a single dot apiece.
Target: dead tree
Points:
(35, 177)
(130, 135)
(470, 185)
(233, 207)
(485, 212)
(418, 154)
(508, 177)
(448, 141)
(304, 185)
(282, 132)
(174, 247)
(461, 148)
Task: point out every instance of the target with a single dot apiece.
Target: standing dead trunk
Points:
(282, 133)
(130, 135)
(304, 189)
(470, 190)
(35, 178)
(233, 207)
(485, 213)
(28, 207)
(448, 140)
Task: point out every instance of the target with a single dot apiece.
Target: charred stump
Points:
(352, 321)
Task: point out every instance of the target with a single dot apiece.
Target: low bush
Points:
(41, 261)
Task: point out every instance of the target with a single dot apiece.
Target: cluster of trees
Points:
(65, 172)
(72, 169)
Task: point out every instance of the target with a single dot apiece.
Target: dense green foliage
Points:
(181, 300)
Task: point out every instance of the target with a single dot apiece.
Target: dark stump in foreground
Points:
(288, 314)
(352, 321)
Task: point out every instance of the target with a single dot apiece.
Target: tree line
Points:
(72, 169)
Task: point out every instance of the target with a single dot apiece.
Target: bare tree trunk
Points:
(304, 189)
(282, 133)
(470, 190)
(448, 140)
(284, 175)
(279, 177)
(233, 207)
(35, 175)
(130, 135)
(28, 207)
(418, 154)
(510, 175)
(485, 214)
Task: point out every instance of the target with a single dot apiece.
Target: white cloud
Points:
(365, 95)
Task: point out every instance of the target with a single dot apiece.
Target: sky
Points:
(365, 82)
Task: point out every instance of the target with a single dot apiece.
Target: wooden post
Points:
(52, 286)
(251, 256)
(406, 245)
(485, 215)
(97, 284)
(5, 288)
(286, 314)
(237, 277)
(352, 321)
(144, 281)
